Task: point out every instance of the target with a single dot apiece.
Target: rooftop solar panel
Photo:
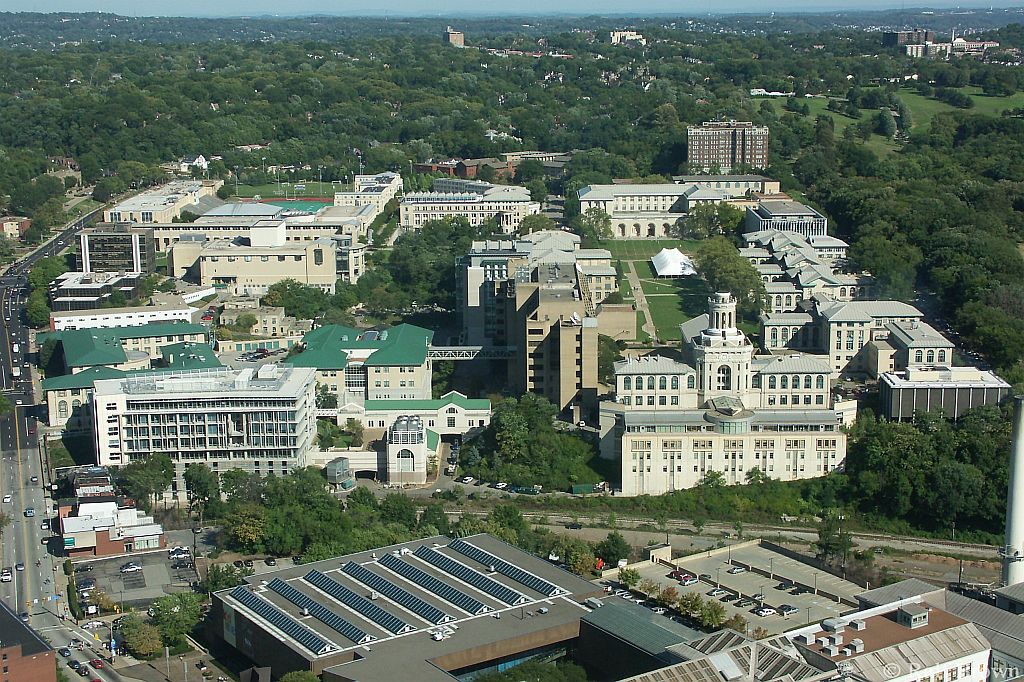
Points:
(282, 621)
(471, 577)
(548, 589)
(433, 585)
(427, 612)
(358, 603)
(320, 612)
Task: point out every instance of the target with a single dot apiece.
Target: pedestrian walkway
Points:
(640, 301)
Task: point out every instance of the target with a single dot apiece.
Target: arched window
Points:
(406, 460)
(772, 382)
(662, 383)
(931, 356)
(821, 381)
(789, 301)
(725, 378)
(785, 334)
(796, 381)
(62, 409)
(675, 383)
(650, 383)
(627, 383)
(690, 381)
(775, 335)
(807, 381)
(778, 300)
(842, 292)
(784, 381)
(918, 356)
(942, 356)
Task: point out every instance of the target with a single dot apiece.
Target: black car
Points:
(270, 561)
(74, 665)
(248, 563)
(64, 651)
(574, 525)
(238, 563)
(84, 568)
(181, 565)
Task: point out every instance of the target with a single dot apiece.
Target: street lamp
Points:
(184, 668)
(815, 583)
(719, 577)
(771, 568)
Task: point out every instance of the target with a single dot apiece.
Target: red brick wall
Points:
(38, 668)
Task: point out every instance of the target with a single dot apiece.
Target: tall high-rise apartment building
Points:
(724, 146)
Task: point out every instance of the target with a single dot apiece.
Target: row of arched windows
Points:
(784, 381)
(919, 356)
(662, 382)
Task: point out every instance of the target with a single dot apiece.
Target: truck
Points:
(15, 348)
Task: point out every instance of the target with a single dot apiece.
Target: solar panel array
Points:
(427, 612)
(503, 567)
(468, 575)
(320, 612)
(433, 585)
(282, 621)
(358, 603)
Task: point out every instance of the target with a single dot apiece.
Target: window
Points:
(784, 381)
(942, 356)
(689, 381)
(725, 378)
(451, 422)
(675, 383)
(675, 400)
(918, 356)
(662, 383)
(772, 382)
(821, 381)
(650, 383)
(796, 381)
(627, 383)
(931, 356)
(661, 400)
(807, 381)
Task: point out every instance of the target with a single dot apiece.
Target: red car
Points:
(96, 663)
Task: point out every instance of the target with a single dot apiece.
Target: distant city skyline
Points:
(453, 8)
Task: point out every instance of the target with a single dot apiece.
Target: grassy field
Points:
(819, 105)
(287, 190)
(83, 207)
(643, 249)
(689, 301)
(925, 108)
(641, 335)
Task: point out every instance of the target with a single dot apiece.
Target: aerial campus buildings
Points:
(443, 609)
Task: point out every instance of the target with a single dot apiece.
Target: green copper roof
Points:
(432, 440)
(84, 379)
(326, 347)
(450, 398)
(189, 355)
(92, 347)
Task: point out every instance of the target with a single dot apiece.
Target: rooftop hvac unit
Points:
(858, 624)
(305, 611)
(405, 551)
(807, 638)
(490, 568)
(856, 646)
(374, 596)
(831, 650)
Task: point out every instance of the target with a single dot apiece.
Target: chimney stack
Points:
(1013, 551)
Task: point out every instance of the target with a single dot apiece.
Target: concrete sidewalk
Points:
(641, 301)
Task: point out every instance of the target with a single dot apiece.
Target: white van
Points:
(16, 372)
(16, 348)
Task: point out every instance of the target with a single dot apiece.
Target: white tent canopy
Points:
(673, 263)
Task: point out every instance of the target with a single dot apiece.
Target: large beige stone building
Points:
(477, 202)
(555, 337)
(719, 408)
(163, 204)
(371, 190)
(250, 267)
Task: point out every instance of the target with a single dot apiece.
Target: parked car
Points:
(575, 525)
(466, 480)
(706, 577)
(744, 603)
(788, 610)
(248, 563)
(84, 568)
(688, 580)
(6, 576)
(93, 624)
(7, 499)
(765, 611)
(717, 592)
(86, 584)
(182, 565)
(784, 586)
(679, 575)
(270, 561)
(736, 569)
(131, 567)
(238, 563)
(65, 652)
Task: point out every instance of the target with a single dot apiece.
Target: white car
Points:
(765, 611)
(736, 569)
(8, 499)
(6, 576)
(93, 624)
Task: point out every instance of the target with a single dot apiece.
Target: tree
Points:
(529, 169)
(736, 622)
(247, 527)
(354, 428)
(760, 632)
(613, 548)
(536, 223)
(885, 124)
(300, 676)
(177, 614)
(202, 486)
(833, 543)
(145, 479)
(668, 596)
(690, 603)
(141, 639)
(609, 351)
(712, 614)
(648, 587)
(629, 577)
(398, 508)
(538, 191)
(6, 406)
(37, 309)
(727, 271)
(433, 516)
(593, 225)
(224, 576)
(362, 497)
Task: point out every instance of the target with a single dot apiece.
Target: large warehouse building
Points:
(434, 609)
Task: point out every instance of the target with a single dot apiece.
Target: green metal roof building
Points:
(95, 347)
(329, 347)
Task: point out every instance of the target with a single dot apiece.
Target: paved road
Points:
(641, 300)
(33, 590)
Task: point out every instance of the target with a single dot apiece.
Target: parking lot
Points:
(158, 577)
(785, 582)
